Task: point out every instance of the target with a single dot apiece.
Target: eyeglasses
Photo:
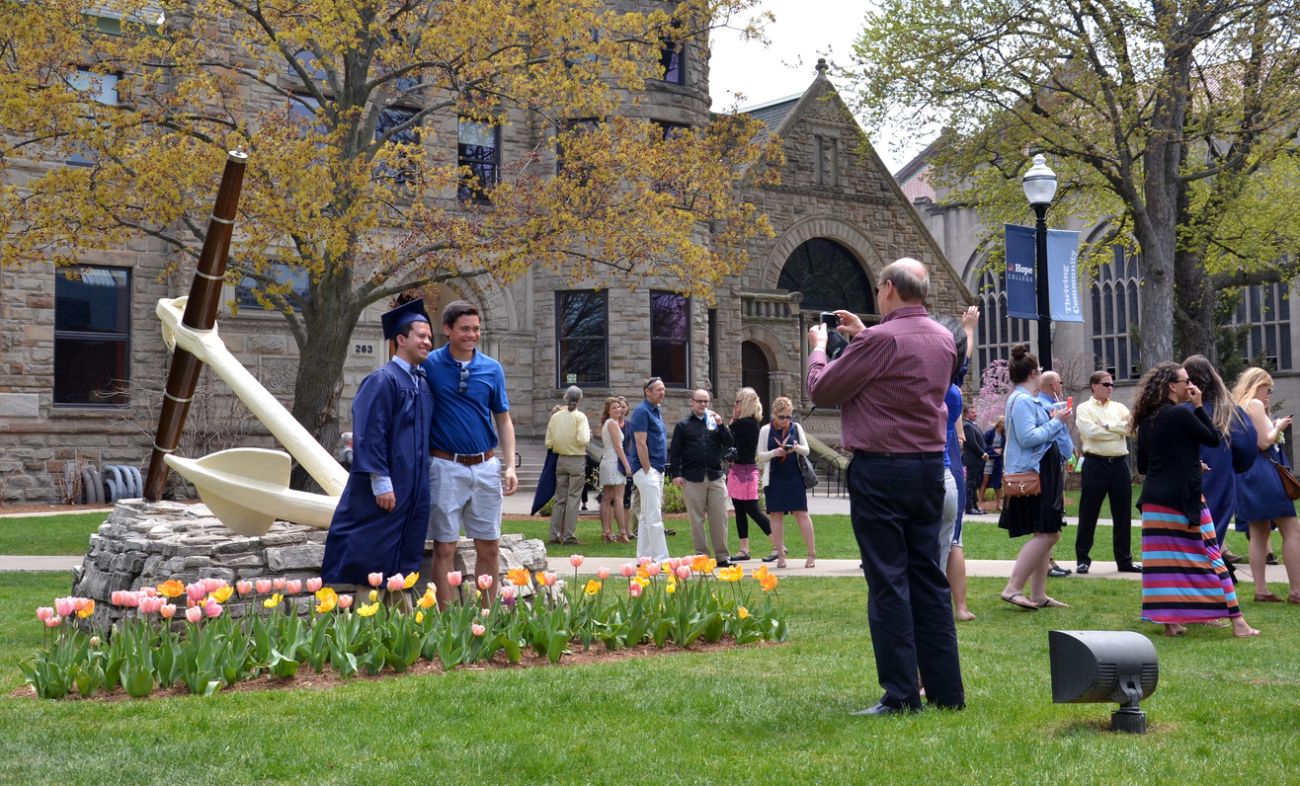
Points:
(464, 378)
(700, 400)
(1105, 384)
(649, 383)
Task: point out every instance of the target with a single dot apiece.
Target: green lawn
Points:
(65, 533)
(761, 714)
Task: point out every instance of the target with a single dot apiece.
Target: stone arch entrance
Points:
(830, 277)
(756, 373)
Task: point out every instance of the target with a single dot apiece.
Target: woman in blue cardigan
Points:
(1031, 446)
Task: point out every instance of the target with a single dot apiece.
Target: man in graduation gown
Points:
(383, 515)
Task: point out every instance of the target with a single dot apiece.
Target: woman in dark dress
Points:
(743, 475)
(1234, 454)
(1184, 578)
(1031, 446)
(780, 444)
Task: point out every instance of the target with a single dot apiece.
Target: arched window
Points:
(997, 333)
(1115, 316)
(829, 277)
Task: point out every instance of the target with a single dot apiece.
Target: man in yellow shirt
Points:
(567, 434)
(1103, 427)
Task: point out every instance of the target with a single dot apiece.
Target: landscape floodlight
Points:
(1104, 666)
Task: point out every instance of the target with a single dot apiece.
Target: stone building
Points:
(83, 359)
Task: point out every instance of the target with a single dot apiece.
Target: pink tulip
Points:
(80, 603)
(53, 622)
(375, 579)
(575, 560)
(454, 578)
(628, 570)
(116, 598)
(44, 612)
(477, 629)
(683, 572)
(642, 561)
(243, 587)
(602, 573)
(194, 614)
(484, 582)
(634, 589)
(293, 587)
(549, 578)
(674, 563)
(195, 591)
(277, 583)
(130, 599)
(212, 608)
(652, 569)
(212, 585)
(263, 586)
(147, 591)
(64, 606)
(314, 584)
(396, 582)
(507, 594)
(146, 605)
(345, 601)
(167, 610)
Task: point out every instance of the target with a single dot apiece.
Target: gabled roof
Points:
(772, 113)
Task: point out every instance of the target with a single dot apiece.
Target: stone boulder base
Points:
(146, 543)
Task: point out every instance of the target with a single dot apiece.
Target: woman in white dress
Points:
(614, 470)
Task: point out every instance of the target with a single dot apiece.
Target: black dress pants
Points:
(1103, 478)
(896, 504)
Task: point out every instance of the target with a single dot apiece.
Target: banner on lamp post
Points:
(1062, 274)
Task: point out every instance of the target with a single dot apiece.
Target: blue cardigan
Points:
(1030, 432)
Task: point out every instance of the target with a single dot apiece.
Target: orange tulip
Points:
(172, 588)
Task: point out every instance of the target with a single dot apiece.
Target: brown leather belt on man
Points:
(468, 459)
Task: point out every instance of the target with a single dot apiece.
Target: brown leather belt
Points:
(468, 459)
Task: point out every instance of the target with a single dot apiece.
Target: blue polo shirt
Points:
(464, 423)
(647, 418)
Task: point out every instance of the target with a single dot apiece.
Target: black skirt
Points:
(1044, 512)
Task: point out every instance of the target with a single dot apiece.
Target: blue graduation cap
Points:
(411, 311)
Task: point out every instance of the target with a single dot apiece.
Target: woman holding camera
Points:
(780, 444)
(1031, 446)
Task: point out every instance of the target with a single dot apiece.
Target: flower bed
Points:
(680, 601)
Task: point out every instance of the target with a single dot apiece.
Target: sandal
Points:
(1052, 603)
(780, 559)
(1019, 599)
(1268, 597)
(811, 562)
(1250, 632)
(741, 557)
(1173, 629)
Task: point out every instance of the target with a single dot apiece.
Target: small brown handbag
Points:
(1022, 484)
(1289, 483)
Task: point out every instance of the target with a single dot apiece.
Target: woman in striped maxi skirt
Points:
(1184, 578)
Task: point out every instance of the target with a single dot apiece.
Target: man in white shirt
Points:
(1103, 429)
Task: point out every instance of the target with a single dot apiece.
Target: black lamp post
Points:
(1040, 187)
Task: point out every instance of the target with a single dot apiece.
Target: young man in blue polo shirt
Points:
(470, 437)
(646, 425)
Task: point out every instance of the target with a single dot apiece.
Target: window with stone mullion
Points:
(582, 338)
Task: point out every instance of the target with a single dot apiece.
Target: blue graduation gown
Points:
(1226, 460)
(391, 416)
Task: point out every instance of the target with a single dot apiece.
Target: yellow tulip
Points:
(88, 610)
(593, 586)
(368, 610)
(743, 613)
(735, 573)
(411, 578)
(642, 581)
(427, 600)
(374, 595)
(222, 595)
(419, 617)
(761, 573)
(327, 605)
(517, 576)
(712, 565)
(273, 601)
(768, 582)
(671, 588)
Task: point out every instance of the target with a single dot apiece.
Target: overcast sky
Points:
(803, 31)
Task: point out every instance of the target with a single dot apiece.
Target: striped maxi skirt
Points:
(1184, 579)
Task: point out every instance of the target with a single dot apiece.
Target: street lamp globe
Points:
(1040, 182)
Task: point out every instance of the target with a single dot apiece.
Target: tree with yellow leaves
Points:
(351, 113)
